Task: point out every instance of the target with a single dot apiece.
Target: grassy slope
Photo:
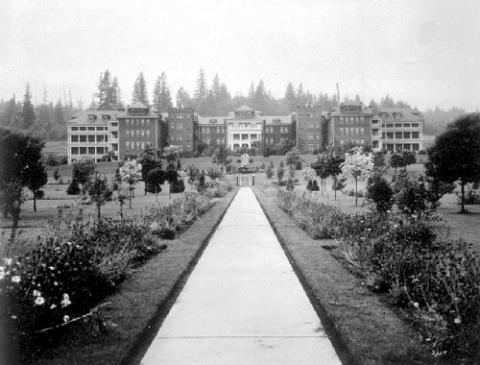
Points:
(364, 330)
(142, 302)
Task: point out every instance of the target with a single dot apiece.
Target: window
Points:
(74, 138)
(406, 135)
(341, 132)
(100, 138)
(91, 139)
(253, 136)
(375, 132)
(414, 125)
(236, 136)
(415, 135)
(389, 135)
(114, 124)
(114, 134)
(415, 146)
(406, 125)
(244, 136)
(74, 150)
(398, 125)
(389, 125)
(83, 128)
(398, 135)
(83, 150)
(91, 150)
(83, 138)
(91, 128)
(375, 144)
(179, 125)
(100, 128)
(74, 128)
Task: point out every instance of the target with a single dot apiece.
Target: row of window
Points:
(89, 128)
(354, 141)
(351, 132)
(314, 137)
(206, 130)
(137, 133)
(353, 119)
(245, 136)
(182, 116)
(137, 122)
(400, 125)
(401, 135)
(402, 146)
(135, 145)
(91, 138)
(88, 150)
(283, 130)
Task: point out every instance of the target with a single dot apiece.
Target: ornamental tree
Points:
(20, 166)
(334, 169)
(131, 173)
(357, 166)
(99, 191)
(455, 156)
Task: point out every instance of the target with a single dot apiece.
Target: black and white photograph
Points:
(245, 182)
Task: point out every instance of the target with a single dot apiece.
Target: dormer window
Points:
(92, 117)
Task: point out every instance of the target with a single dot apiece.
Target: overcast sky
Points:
(424, 52)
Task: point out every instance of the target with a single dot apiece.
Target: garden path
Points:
(243, 303)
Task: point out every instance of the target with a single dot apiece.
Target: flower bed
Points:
(75, 265)
(436, 281)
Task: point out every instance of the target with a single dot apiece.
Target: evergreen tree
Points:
(260, 97)
(251, 93)
(200, 88)
(290, 100)
(115, 94)
(161, 94)
(183, 98)
(104, 91)
(140, 90)
(300, 95)
(28, 114)
(9, 117)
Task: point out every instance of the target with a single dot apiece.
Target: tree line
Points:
(47, 120)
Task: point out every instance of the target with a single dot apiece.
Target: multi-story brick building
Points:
(352, 123)
(401, 129)
(311, 125)
(138, 127)
(181, 130)
(211, 131)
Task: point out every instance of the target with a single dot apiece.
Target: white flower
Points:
(66, 318)
(53, 306)
(416, 305)
(39, 301)
(36, 293)
(55, 283)
(2, 272)
(51, 268)
(457, 320)
(65, 301)
(13, 317)
(15, 279)
(7, 261)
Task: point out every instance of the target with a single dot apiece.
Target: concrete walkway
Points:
(242, 304)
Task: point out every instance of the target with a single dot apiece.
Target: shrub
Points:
(316, 218)
(269, 172)
(413, 198)
(73, 188)
(380, 192)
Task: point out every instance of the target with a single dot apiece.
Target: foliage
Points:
(358, 166)
(280, 172)
(397, 161)
(221, 154)
(292, 157)
(81, 173)
(73, 188)
(269, 172)
(214, 174)
(380, 192)
(140, 94)
(378, 161)
(131, 172)
(290, 184)
(99, 191)
(314, 217)
(154, 180)
(20, 166)
(309, 173)
(56, 174)
(455, 156)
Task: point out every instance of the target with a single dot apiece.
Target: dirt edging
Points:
(362, 328)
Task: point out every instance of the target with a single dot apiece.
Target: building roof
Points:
(277, 119)
(244, 108)
(137, 105)
(207, 120)
(404, 112)
(83, 117)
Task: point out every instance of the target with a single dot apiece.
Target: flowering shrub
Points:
(316, 218)
(437, 281)
(75, 265)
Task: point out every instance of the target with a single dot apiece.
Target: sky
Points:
(424, 52)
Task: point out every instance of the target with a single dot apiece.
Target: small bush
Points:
(380, 192)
